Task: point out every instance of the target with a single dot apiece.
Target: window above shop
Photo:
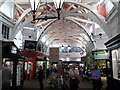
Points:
(5, 31)
(104, 7)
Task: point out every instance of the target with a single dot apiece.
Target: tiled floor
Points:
(34, 84)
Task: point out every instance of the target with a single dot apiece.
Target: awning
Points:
(32, 53)
(38, 55)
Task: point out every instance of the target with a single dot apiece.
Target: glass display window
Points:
(116, 63)
(19, 73)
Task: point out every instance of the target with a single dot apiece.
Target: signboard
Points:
(54, 54)
(30, 45)
(101, 54)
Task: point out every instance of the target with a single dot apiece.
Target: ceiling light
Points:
(58, 3)
(35, 3)
(68, 45)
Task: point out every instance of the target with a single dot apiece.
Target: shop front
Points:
(101, 58)
(114, 78)
(12, 57)
(33, 60)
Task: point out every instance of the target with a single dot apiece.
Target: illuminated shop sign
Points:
(101, 54)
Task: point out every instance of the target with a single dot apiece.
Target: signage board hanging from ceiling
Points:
(100, 54)
(54, 54)
(30, 45)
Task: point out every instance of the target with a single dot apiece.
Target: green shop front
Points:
(101, 58)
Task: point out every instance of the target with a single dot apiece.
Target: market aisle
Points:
(84, 84)
(34, 84)
(31, 84)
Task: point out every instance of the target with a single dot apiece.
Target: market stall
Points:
(33, 60)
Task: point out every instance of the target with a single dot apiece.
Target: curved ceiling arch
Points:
(96, 14)
(27, 11)
(15, 29)
(87, 15)
(51, 38)
(80, 4)
(46, 29)
(84, 28)
(77, 23)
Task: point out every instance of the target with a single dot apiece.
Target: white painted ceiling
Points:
(64, 31)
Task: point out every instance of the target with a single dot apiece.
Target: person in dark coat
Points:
(40, 77)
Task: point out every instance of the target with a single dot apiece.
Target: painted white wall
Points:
(70, 55)
(8, 8)
(26, 32)
(113, 22)
(99, 40)
(19, 40)
(100, 43)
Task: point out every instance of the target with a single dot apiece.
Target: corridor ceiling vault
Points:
(73, 28)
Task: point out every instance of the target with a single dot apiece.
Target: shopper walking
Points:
(74, 75)
(6, 76)
(96, 78)
(40, 77)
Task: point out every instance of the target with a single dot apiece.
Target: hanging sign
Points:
(30, 45)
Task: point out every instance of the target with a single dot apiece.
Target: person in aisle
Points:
(96, 78)
(40, 77)
(74, 77)
(29, 71)
(6, 76)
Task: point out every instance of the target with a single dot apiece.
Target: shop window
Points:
(5, 31)
(116, 63)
